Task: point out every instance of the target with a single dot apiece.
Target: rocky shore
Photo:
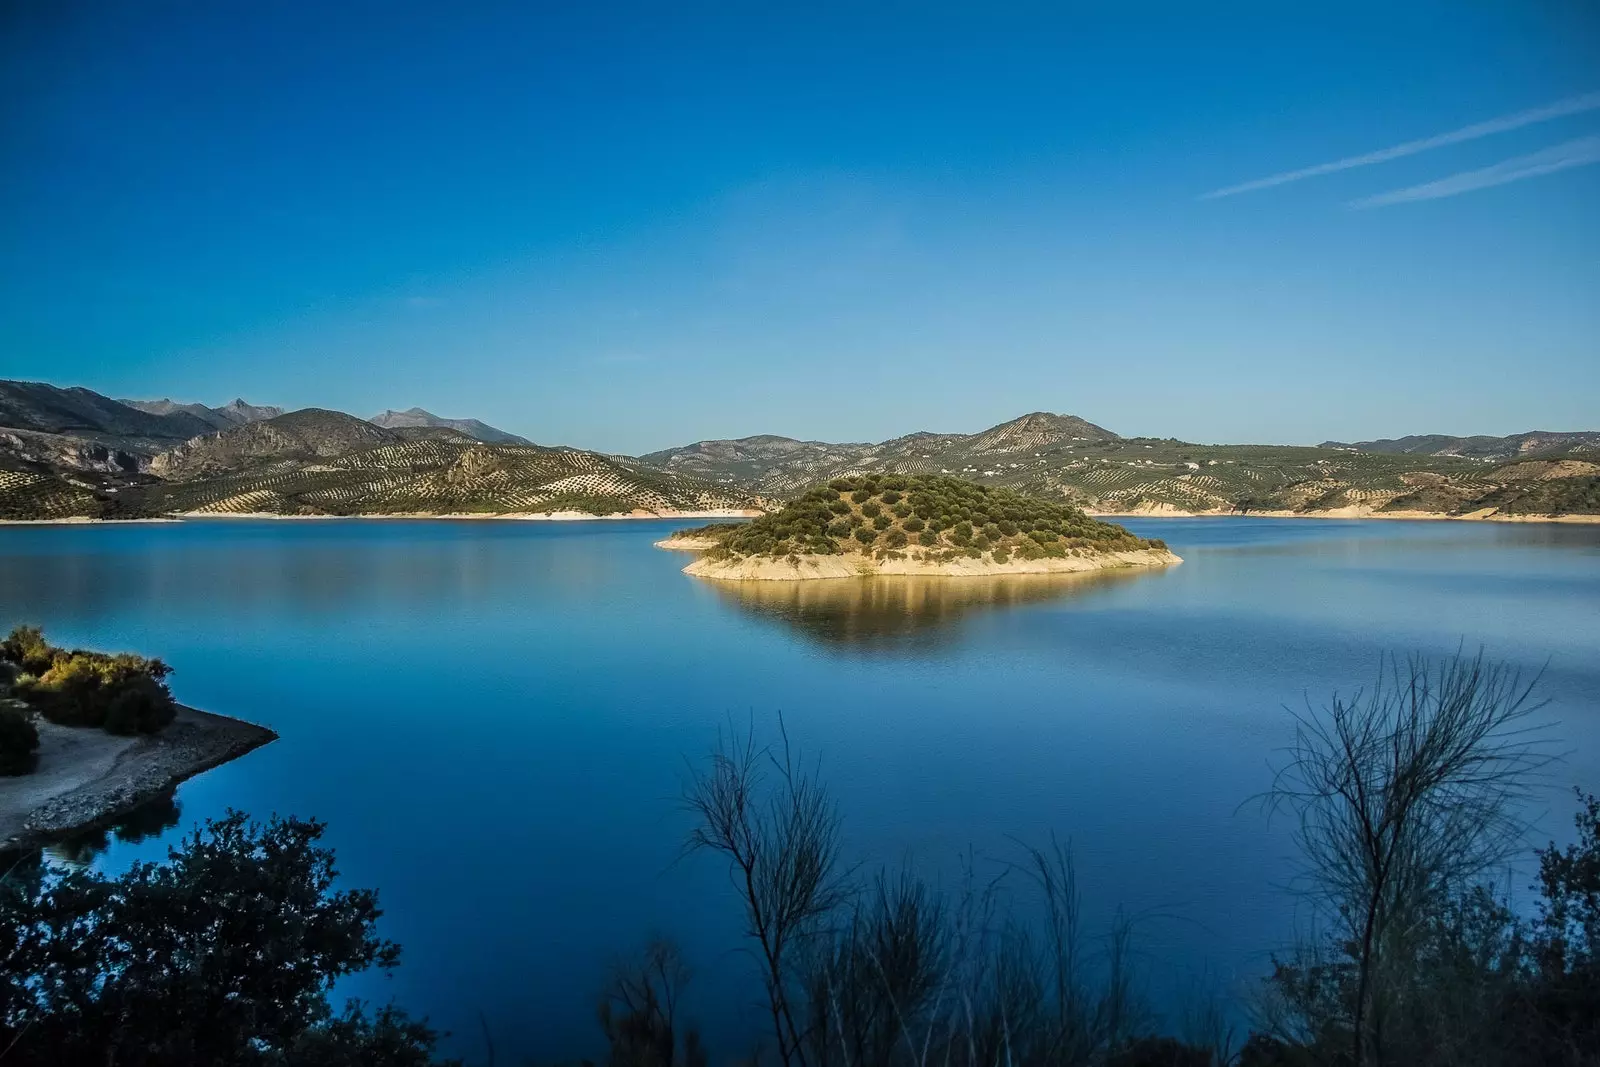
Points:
(85, 777)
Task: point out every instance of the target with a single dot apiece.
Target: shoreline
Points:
(510, 516)
(86, 777)
(811, 567)
(1160, 512)
(1349, 514)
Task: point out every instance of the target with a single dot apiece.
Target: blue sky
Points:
(630, 226)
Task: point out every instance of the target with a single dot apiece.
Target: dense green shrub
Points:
(19, 741)
(926, 505)
(122, 693)
(895, 539)
(28, 650)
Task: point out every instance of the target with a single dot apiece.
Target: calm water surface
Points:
(494, 718)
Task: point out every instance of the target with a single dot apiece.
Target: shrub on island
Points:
(121, 693)
(926, 516)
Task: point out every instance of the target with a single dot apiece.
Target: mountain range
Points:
(234, 413)
(72, 452)
(416, 417)
(1437, 444)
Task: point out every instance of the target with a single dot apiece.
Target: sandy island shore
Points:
(87, 776)
(800, 568)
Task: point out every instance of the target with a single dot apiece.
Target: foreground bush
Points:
(19, 741)
(121, 693)
(225, 954)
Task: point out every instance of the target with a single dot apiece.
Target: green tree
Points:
(224, 954)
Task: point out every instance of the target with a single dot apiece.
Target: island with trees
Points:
(914, 524)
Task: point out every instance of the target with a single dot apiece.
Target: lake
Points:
(494, 719)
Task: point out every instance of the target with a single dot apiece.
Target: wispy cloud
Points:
(1570, 106)
(1576, 153)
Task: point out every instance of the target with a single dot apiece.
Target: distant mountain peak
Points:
(416, 416)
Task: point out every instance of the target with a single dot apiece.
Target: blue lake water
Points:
(494, 719)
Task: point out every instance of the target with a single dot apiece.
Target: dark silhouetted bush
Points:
(19, 741)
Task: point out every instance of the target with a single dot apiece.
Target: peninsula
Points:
(86, 737)
(913, 524)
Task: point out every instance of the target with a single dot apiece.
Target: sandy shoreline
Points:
(809, 567)
(513, 516)
(86, 777)
(1356, 512)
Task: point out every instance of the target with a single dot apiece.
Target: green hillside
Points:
(440, 476)
(314, 462)
(1115, 474)
(921, 516)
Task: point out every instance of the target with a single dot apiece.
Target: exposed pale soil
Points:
(796, 568)
(86, 776)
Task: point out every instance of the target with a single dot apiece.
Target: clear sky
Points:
(631, 226)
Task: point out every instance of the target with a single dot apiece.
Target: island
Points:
(86, 737)
(915, 525)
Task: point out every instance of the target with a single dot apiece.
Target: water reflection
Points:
(150, 819)
(901, 611)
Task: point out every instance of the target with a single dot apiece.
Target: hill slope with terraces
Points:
(315, 462)
(1062, 457)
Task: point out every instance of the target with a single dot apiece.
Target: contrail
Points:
(1570, 106)
(1577, 153)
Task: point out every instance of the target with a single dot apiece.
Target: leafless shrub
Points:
(639, 1012)
(896, 973)
(1404, 795)
(782, 849)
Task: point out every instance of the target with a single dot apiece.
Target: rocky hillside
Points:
(78, 412)
(308, 434)
(473, 428)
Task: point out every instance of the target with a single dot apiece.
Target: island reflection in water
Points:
(900, 612)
